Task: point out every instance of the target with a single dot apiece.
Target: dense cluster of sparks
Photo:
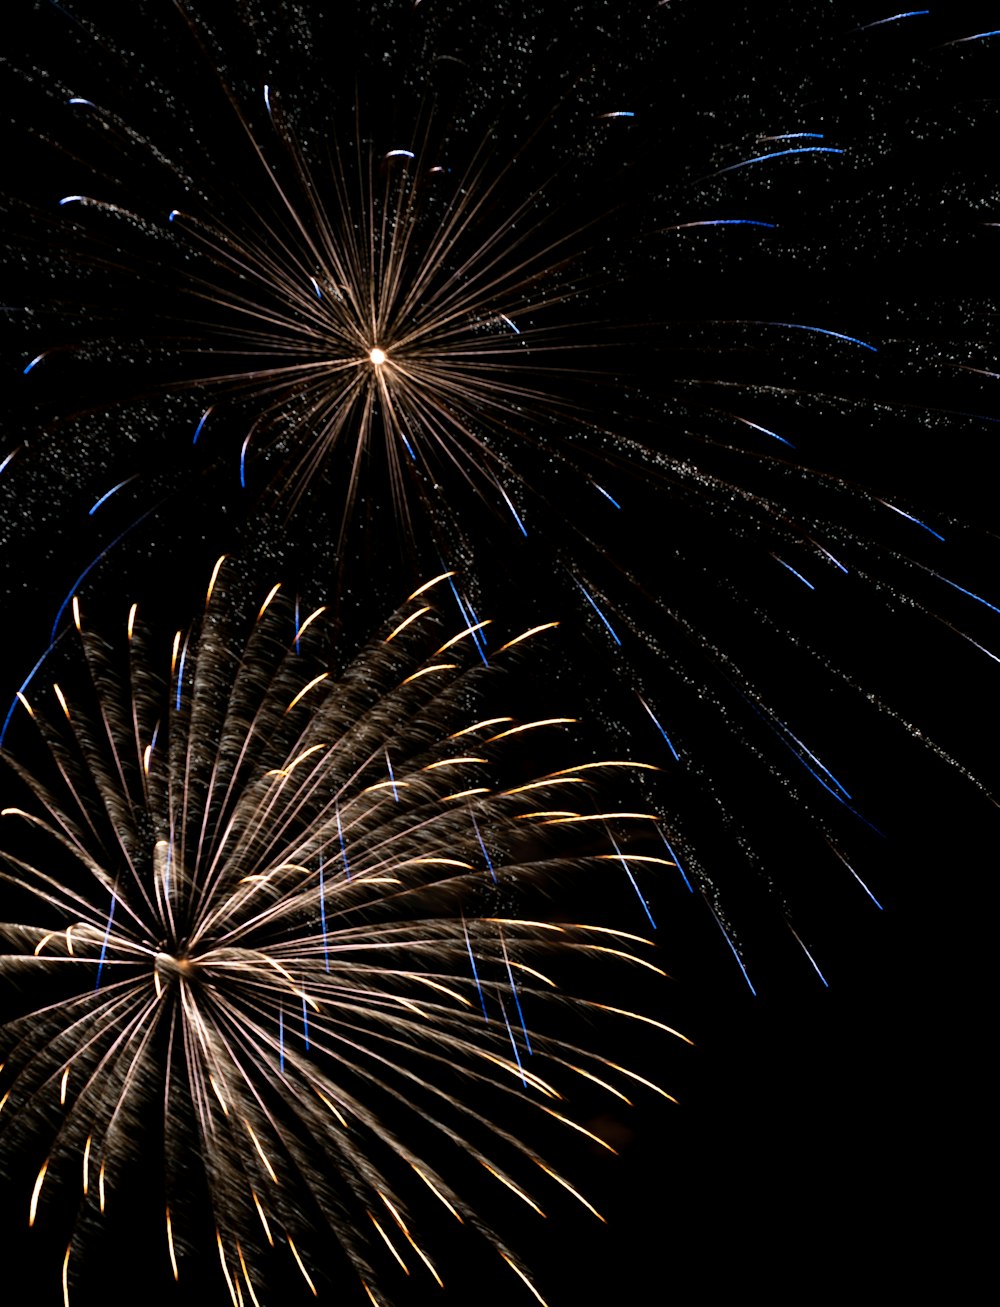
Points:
(273, 902)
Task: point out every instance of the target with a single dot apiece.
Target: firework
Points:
(292, 914)
(656, 409)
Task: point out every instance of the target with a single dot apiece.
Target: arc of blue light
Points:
(607, 496)
(816, 760)
(793, 571)
(614, 634)
(795, 136)
(207, 413)
(180, 677)
(475, 972)
(104, 945)
(468, 619)
(392, 776)
(305, 1022)
(979, 36)
(517, 519)
(108, 493)
(676, 861)
(815, 965)
(322, 913)
(894, 18)
(281, 1036)
(7, 460)
(858, 879)
(970, 593)
(517, 1001)
(628, 873)
(343, 846)
(489, 860)
(297, 624)
(822, 331)
(725, 222)
(766, 431)
(656, 723)
(778, 154)
(910, 518)
(513, 1041)
(739, 960)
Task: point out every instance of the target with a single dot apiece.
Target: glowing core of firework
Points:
(377, 356)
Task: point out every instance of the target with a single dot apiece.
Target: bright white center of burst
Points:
(377, 356)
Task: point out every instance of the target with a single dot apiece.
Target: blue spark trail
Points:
(596, 487)
(910, 518)
(677, 861)
(857, 878)
(778, 154)
(475, 973)
(513, 990)
(513, 1041)
(628, 873)
(517, 519)
(894, 18)
(979, 36)
(593, 605)
(104, 945)
(322, 907)
(305, 1022)
(489, 860)
(656, 723)
(468, 619)
(809, 752)
(343, 846)
(802, 946)
(822, 331)
(204, 417)
(763, 430)
(392, 777)
(281, 1037)
(108, 493)
(971, 593)
(180, 676)
(732, 946)
(793, 571)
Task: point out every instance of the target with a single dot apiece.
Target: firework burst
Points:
(286, 912)
(326, 311)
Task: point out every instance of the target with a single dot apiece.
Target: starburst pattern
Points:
(278, 907)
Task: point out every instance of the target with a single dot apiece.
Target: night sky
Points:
(741, 333)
